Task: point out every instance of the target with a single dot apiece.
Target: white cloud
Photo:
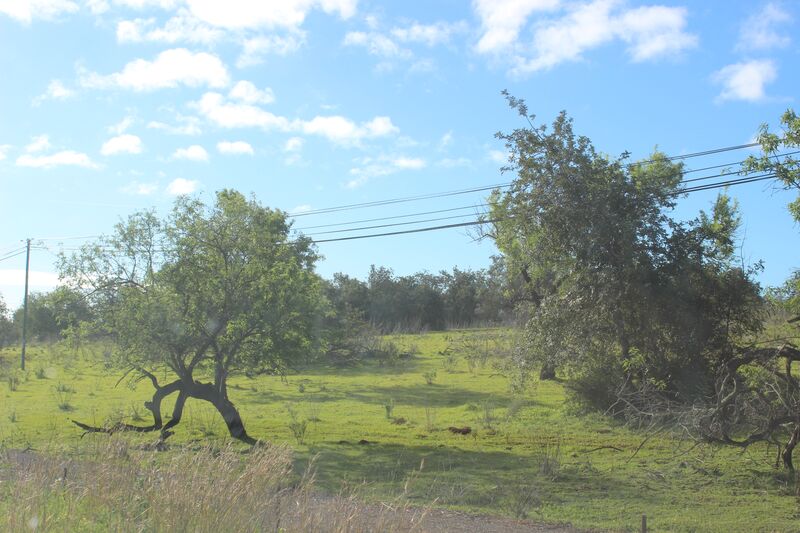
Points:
(502, 20)
(144, 4)
(180, 186)
(760, 32)
(293, 144)
(39, 143)
(376, 44)
(409, 163)
(13, 277)
(26, 10)
(58, 159)
(653, 31)
(745, 81)
(446, 140)
(122, 126)
(498, 156)
(56, 90)
(139, 188)
(255, 48)
(429, 34)
(342, 130)
(122, 144)
(246, 92)
(97, 7)
(194, 152)
(233, 115)
(246, 14)
(234, 148)
(171, 68)
(4, 148)
(188, 126)
(382, 166)
(183, 27)
(304, 208)
(335, 128)
(649, 31)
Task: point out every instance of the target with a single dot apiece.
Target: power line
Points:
(389, 225)
(13, 255)
(473, 206)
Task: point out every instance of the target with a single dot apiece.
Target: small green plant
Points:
(136, 414)
(296, 426)
(63, 397)
(429, 377)
(486, 414)
(13, 382)
(41, 373)
(430, 419)
(521, 500)
(301, 388)
(549, 459)
(12, 416)
(63, 387)
(388, 405)
(449, 360)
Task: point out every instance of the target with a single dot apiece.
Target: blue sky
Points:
(111, 106)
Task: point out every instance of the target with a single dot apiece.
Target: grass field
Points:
(526, 455)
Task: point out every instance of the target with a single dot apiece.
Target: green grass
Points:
(526, 454)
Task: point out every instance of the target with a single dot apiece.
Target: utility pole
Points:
(25, 303)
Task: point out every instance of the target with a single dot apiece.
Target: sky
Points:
(108, 107)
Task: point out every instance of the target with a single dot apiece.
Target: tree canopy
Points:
(203, 293)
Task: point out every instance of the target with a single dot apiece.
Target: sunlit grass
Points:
(526, 455)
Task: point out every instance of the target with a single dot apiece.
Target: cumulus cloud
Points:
(4, 148)
(429, 34)
(237, 115)
(745, 81)
(246, 92)
(56, 90)
(235, 148)
(183, 27)
(122, 144)
(57, 159)
(26, 11)
(650, 32)
(194, 152)
(181, 186)
(376, 44)
(122, 126)
(171, 68)
(382, 166)
(293, 144)
(255, 49)
(502, 20)
(335, 128)
(187, 125)
(39, 143)
(140, 189)
(760, 31)
(246, 14)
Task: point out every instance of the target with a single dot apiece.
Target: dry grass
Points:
(112, 487)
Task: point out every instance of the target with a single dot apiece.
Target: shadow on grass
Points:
(423, 395)
(451, 476)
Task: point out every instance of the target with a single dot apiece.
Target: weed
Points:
(12, 416)
(136, 414)
(449, 360)
(549, 459)
(388, 405)
(41, 373)
(519, 501)
(430, 419)
(63, 397)
(296, 426)
(429, 377)
(13, 382)
(486, 415)
(63, 387)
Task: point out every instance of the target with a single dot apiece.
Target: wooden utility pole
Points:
(25, 303)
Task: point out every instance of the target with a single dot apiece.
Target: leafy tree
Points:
(7, 333)
(51, 314)
(202, 294)
(620, 295)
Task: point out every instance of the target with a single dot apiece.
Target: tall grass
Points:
(112, 487)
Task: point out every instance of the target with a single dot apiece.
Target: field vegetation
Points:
(530, 451)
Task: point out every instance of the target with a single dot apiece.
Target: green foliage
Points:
(613, 283)
(786, 169)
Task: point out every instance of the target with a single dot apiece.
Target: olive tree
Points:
(201, 294)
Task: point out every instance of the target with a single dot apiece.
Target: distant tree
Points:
(205, 293)
(52, 313)
(7, 333)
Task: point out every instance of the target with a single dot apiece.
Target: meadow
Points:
(381, 432)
